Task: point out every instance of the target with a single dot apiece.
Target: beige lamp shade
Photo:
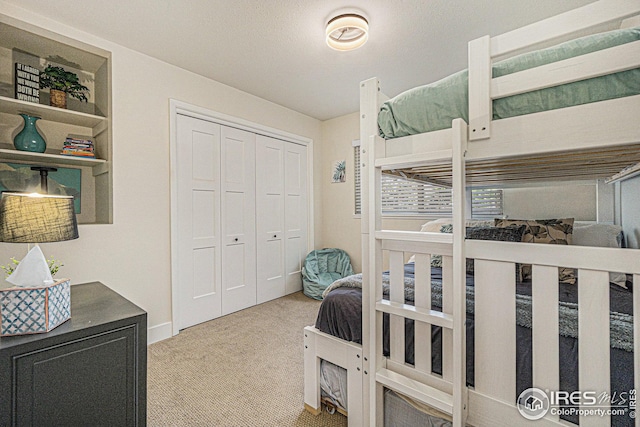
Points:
(37, 218)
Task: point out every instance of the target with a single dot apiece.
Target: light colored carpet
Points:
(244, 369)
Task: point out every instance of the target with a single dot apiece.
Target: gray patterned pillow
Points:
(552, 231)
(506, 234)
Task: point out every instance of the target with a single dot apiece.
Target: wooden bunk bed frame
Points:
(581, 135)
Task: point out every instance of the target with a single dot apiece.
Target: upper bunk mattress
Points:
(434, 106)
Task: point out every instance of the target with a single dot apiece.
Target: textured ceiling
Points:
(275, 49)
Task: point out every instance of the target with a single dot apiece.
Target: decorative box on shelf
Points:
(36, 309)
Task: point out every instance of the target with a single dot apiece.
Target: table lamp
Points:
(37, 218)
(36, 303)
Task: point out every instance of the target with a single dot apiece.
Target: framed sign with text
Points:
(27, 83)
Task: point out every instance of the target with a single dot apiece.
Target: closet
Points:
(242, 218)
(281, 216)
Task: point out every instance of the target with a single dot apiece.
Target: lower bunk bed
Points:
(340, 316)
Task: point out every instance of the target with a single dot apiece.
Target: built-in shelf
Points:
(24, 43)
(45, 112)
(49, 158)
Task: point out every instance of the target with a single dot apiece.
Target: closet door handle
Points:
(235, 240)
(274, 236)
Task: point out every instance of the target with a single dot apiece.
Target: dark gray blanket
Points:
(341, 312)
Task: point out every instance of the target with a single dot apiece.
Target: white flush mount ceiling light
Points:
(347, 31)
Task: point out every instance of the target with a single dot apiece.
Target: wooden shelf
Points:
(45, 112)
(49, 158)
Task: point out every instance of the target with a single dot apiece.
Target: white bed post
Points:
(311, 374)
(459, 146)
(480, 106)
(371, 252)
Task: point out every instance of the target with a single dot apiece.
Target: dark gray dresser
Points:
(89, 371)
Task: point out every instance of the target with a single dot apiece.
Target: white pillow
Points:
(602, 236)
(431, 227)
(594, 234)
(435, 225)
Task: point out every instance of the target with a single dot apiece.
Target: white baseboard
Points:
(159, 332)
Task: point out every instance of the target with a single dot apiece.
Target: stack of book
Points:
(78, 147)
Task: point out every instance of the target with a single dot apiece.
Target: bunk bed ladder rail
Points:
(449, 393)
(417, 383)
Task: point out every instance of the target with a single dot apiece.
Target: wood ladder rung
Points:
(400, 162)
(421, 392)
(416, 313)
(415, 236)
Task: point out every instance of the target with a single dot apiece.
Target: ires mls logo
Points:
(533, 403)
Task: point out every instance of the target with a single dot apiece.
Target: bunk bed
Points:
(592, 138)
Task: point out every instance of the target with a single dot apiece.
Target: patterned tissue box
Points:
(34, 310)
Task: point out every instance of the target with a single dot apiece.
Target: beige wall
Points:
(340, 227)
(132, 255)
(572, 200)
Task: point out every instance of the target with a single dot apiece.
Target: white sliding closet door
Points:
(198, 197)
(296, 214)
(237, 152)
(270, 217)
(240, 229)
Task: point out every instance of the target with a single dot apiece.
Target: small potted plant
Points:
(62, 82)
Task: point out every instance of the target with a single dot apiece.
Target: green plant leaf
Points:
(58, 78)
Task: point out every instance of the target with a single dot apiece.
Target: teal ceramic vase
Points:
(29, 139)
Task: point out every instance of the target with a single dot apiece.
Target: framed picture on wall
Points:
(339, 173)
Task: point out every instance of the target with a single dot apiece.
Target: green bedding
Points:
(433, 107)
